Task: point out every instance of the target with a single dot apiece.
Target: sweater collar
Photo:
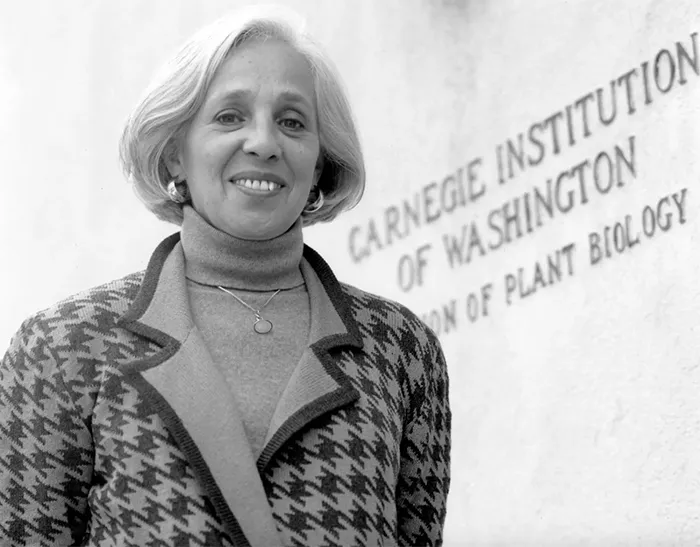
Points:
(213, 257)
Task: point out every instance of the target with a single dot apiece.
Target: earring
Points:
(174, 192)
(315, 205)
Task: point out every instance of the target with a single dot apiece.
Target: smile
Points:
(260, 185)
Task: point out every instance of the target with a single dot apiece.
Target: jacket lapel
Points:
(193, 400)
(317, 385)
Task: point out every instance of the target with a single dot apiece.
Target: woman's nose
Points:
(261, 141)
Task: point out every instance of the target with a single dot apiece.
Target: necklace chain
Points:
(246, 289)
(261, 325)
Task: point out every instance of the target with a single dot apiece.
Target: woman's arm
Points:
(425, 458)
(45, 446)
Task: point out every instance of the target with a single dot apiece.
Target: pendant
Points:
(262, 326)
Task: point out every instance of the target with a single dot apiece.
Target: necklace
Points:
(261, 325)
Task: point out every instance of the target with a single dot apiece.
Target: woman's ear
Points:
(173, 161)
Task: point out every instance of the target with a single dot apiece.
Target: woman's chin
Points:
(255, 231)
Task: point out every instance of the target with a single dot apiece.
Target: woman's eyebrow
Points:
(231, 94)
(295, 97)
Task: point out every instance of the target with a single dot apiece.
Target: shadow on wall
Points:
(462, 7)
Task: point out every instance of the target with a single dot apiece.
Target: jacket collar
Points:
(317, 385)
(191, 396)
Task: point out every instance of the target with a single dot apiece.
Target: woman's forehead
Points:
(272, 64)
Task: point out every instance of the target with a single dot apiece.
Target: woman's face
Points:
(251, 152)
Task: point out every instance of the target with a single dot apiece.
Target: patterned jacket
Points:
(116, 428)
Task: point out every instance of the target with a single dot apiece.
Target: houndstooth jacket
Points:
(116, 429)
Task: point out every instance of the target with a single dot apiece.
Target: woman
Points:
(234, 393)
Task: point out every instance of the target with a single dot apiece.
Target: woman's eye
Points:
(292, 123)
(228, 118)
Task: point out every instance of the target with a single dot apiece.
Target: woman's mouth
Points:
(259, 185)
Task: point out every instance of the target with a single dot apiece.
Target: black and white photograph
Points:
(350, 273)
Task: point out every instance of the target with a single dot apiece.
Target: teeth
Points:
(264, 185)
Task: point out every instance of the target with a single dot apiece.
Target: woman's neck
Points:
(213, 257)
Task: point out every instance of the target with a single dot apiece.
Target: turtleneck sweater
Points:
(256, 366)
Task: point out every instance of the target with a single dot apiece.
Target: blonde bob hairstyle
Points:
(158, 123)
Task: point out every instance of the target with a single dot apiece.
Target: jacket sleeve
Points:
(424, 479)
(45, 446)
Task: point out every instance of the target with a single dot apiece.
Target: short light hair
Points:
(160, 120)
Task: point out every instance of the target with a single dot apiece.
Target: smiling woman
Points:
(262, 103)
(234, 393)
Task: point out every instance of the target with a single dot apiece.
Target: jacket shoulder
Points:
(68, 343)
(73, 323)
(102, 305)
(379, 312)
